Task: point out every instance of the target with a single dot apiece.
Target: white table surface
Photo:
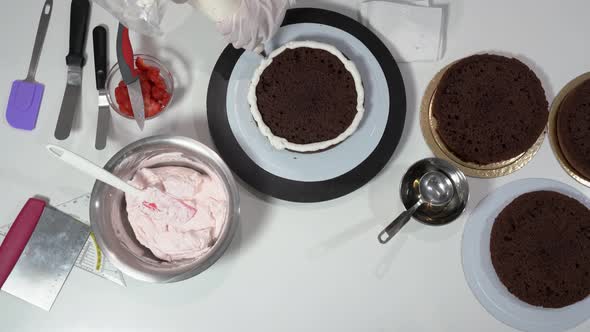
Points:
(291, 267)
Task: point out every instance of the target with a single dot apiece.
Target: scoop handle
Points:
(91, 169)
(389, 232)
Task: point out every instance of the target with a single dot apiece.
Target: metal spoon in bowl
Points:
(435, 189)
(155, 203)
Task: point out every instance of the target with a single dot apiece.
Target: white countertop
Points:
(291, 267)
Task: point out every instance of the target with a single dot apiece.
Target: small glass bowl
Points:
(114, 77)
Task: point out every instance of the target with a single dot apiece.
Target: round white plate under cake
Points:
(482, 278)
(318, 176)
(334, 161)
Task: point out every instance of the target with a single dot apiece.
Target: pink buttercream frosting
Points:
(169, 235)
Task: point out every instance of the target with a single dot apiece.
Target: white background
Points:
(291, 267)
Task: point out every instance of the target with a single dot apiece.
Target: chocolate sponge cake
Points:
(540, 249)
(489, 108)
(306, 97)
(573, 129)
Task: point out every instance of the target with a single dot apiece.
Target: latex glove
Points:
(143, 16)
(254, 22)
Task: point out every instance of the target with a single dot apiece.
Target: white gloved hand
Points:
(254, 23)
(244, 23)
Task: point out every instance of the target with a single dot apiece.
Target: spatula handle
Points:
(18, 235)
(99, 39)
(93, 170)
(79, 12)
(39, 38)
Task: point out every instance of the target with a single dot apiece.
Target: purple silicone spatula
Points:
(25, 96)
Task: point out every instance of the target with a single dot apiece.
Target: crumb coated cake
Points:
(489, 108)
(307, 96)
(540, 249)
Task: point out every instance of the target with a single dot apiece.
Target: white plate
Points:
(325, 165)
(482, 278)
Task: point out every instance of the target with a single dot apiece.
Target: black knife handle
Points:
(79, 12)
(99, 39)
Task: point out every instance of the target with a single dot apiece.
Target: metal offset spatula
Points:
(99, 38)
(79, 13)
(25, 96)
(39, 252)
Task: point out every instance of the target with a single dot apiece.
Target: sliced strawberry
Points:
(158, 93)
(122, 98)
(140, 64)
(146, 87)
(161, 84)
(151, 108)
(153, 89)
(126, 109)
(153, 74)
(153, 69)
(119, 91)
(165, 100)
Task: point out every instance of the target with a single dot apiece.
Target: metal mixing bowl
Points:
(108, 216)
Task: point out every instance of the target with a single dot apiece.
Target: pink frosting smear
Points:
(164, 208)
(168, 234)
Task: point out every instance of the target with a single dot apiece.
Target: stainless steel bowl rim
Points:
(218, 248)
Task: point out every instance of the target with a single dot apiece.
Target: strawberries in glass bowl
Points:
(157, 86)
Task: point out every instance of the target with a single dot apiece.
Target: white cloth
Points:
(255, 22)
(412, 32)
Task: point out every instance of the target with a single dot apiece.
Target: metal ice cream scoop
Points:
(435, 188)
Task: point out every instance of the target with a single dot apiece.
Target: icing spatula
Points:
(25, 95)
(157, 204)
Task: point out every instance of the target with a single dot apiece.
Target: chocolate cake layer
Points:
(489, 108)
(540, 249)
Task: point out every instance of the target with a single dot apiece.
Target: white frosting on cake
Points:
(282, 143)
